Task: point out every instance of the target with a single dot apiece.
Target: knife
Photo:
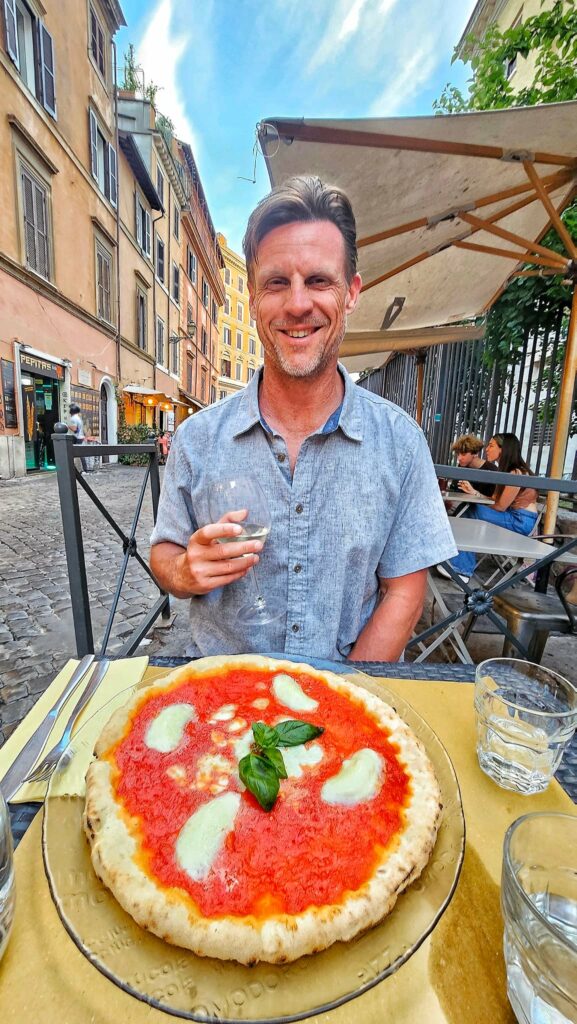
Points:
(33, 747)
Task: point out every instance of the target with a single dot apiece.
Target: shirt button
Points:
(297, 568)
(296, 627)
(281, 457)
(299, 508)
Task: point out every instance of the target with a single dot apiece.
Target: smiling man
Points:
(357, 516)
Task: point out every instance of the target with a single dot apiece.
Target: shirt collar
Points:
(350, 420)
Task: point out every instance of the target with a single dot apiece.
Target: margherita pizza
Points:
(196, 858)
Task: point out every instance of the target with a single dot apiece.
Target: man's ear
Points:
(353, 292)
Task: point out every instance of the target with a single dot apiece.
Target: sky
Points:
(224, 65)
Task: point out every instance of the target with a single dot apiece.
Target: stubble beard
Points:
(318, 362)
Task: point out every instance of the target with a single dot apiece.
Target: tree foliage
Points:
(529, 305)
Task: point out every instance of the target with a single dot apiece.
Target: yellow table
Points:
(456, 977)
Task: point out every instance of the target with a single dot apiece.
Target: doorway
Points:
(40, 404)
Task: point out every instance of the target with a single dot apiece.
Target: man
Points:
(76, 426)
(357, 515)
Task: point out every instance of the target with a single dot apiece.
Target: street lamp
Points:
(190, 333)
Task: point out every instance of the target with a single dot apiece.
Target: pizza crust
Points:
(283, 937)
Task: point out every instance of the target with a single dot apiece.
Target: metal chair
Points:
(532, 616)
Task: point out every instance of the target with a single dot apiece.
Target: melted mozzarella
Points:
(242, 745)
(296, 758)
(224, 714)
(261, 703)
(165, 732)
(359, 779)
(202, 837)
(288, 692)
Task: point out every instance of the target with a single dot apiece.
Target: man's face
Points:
(300, 298)
(464, 459)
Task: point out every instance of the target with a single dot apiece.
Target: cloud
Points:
(342, 25)
(160, 51)
(407, 81)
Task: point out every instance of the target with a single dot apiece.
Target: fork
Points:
(45, 769)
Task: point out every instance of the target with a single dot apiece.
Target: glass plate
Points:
(203, 989)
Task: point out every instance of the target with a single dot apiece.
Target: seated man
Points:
(357, 516)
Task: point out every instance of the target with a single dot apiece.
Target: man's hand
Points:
(467, 487)
(205, 563)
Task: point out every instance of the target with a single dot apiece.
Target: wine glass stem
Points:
(259, 598)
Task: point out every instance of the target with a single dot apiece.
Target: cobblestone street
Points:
(36, 630)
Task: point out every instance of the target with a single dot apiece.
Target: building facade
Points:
(241, 352)
(59, 338)
(504, 14)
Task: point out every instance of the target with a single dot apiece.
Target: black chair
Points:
(532, 616)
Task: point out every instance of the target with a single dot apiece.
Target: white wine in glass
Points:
(236, 494)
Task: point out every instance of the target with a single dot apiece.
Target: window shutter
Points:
(11, 33)
(47, 69)
(147, 232)
(106, 288)
(138, 218)
(93, 125)
(29, 221)
(113, 175)
(41, 231)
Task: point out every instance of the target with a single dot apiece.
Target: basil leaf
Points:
(275, 758)
(292, 733)
(260, 777)
(264, 735)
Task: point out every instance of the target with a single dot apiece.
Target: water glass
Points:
(526, 716)
(7, 887)
(539, 904)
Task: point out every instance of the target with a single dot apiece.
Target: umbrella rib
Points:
(377, 140)
(554, 215)
(396, 270)
(510, 236)
(520, 257)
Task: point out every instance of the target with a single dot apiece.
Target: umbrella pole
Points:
(420, 360)
(565, 400)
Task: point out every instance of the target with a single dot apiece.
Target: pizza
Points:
(219, 867)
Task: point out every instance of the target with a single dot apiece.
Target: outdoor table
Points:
(469, 499)
(484, 539)
(458, 972)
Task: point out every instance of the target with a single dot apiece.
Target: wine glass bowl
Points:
(228, 498)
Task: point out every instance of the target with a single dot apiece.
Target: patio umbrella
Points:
(448, 209)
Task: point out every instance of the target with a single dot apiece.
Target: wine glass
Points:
(244, 493)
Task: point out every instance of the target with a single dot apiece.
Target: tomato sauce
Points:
(304, 852)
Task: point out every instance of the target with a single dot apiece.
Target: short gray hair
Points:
(302, 198)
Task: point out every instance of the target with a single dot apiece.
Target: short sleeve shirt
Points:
(363, 504)
(77, 421)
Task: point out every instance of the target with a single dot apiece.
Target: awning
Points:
(158, 397)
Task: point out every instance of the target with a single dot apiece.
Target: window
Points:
(189, 375)
(191, 264)
(214, 312)
(240, 284)
(103, 281)
(142, 227)
(222, 394)
(226, 275)
(176, 283)
(205, 294)
(203, 386)
(252, 346)
(141, 319)
(189, 316)
(251, 322)
(226, 335)
(174, 353)
(238, 371)
(103, 165)
(239, 311)
(225, 368)
(31, 48)
(203, 341)
(160, 341)
(511, 64)
(35, 217)
(212, 393)
(160, 184)
(97, 46)
(250, 373)
(160, 260)
(261, 349)
(239, 339)
(227, 306)
(176, 221)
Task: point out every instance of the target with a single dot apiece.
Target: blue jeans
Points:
(518, 520)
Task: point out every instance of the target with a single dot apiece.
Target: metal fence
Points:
(464, 394)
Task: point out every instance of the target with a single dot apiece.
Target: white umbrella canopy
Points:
(418, 187)
(447, 209)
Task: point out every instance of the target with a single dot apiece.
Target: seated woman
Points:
(514, 508)
(467, 449)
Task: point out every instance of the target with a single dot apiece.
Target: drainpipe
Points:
(118, 368)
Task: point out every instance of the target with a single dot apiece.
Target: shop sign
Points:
(85, 378)
(9, 394)
(41, 367)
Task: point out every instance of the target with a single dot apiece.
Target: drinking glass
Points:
(7, 886)
(526, 716)
(539, 904)
(237, 494)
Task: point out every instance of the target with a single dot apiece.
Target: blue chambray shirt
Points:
(363, 503)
